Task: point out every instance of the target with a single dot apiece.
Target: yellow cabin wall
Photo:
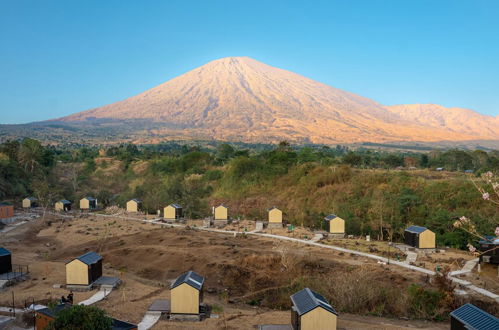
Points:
(59, 206)
(337, 226)
(84, 204)
(184, 300)
(26, 203)
(220, 213)
(77, 272)
(275, 215)
(427, 240)
(169, 212)
(318, 319)
(131, 206)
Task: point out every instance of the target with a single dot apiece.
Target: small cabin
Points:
(84, 270)
(63, 205)
(29, 202)
(334, 224)
(88, 203)
(134, 205)
(221, 213)
(5, 261)
(275, 215)
(419, 237)
(311, 311)
(469, 316)
(46, 315)
(173, 212)
(489, 246)
(6, 210)
(186, 293)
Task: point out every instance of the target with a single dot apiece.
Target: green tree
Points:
(80, 317)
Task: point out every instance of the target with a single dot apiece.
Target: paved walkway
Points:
(149, 320)
(317, 237)
(467, 268)
(411, 257)
(101, 294)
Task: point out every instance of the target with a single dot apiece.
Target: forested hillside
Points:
(377, 193)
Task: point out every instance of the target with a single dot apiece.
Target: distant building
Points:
(468, 171)
(419, 237)
(489, 249)
(5, 261)
(311, 311)
(88, 203)
(134, 205)
(275, 215)
(335, 225)
(173, 212)
(46, 315)
(84, 270)
(186, 293)
(63, 205)
(470, 317)
(29, 202)
(220, 213)
(6, 210)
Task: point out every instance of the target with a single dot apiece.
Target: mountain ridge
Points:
(239, 98)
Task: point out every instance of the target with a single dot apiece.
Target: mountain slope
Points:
(238, 98)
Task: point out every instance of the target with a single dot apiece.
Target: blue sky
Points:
(61, 57)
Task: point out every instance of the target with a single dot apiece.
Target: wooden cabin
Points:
(84, 270)
(63, 205)
(134, 205)
(419, 237)
(5, 261)
(311, 311)
(489, 247)
(469, 316)
(88, 203)
(221, 213)
(46, 315)
(29, 202)
(6, 210)
(173, 212)
(334, 224)
(186, 293)
(275, 215)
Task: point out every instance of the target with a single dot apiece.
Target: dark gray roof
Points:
(221, 205)
(331, 217)
(474, 318)
(193, 279)
(273, 208)
(416, 229)
(306, 300)
(89, 198)
(176, 206)
(31, 198)
(489, 240)
(136, 200)
(5, 204)
(122, 325)
(51, 312)
(4, 252)
(65, 201)
(89, 258)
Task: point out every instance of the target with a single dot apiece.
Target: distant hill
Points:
(241, 99)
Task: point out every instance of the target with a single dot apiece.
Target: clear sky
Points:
(61, 57)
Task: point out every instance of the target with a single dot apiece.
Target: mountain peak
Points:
(242, 99)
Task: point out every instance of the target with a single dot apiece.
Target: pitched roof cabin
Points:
(490, 250)
(173, 212)
(6, 210)
(46, 315)
(334, 224)
(133, 205)
(63, 205)
(5, 261)
(470, 317)
(419, 237)
(29, 202)
(311, 311)
(186, 293)
(88, 203)
(84, 270)
(275, 215)
(221, 212)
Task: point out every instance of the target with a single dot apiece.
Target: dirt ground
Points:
(148, 257)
